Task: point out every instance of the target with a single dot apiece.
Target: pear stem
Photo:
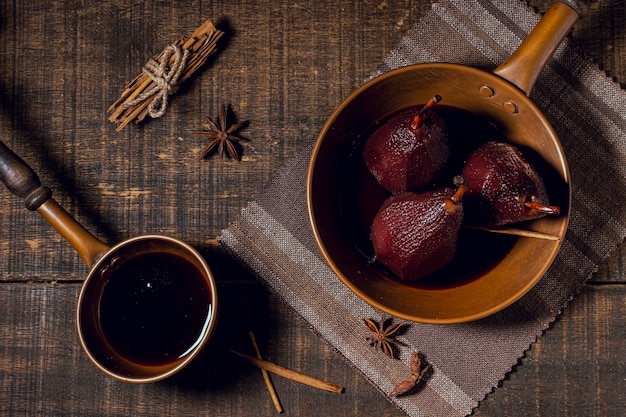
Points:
(542, 207)
(416, 123)
(460, 183)
(458, 194)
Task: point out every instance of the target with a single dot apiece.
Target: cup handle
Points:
(22, 181)
(523, 66)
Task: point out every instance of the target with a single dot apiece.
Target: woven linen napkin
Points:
(588, 111)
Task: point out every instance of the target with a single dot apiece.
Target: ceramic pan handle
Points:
(22, 181)
(523, 67)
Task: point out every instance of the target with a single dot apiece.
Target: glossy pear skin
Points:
(500, 181)
(402, 158)
(415, 234)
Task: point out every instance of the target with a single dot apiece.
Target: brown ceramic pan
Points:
(104, 262)
(500, 97)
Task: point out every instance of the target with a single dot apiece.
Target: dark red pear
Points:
(503, 187)
(415, 234)
(408, 151)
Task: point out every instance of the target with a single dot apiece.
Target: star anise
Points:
(417, 374)
(381, 336)
(222, 137)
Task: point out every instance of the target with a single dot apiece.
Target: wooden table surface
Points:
(283, 66)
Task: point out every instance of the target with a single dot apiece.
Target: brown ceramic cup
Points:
(147, 308)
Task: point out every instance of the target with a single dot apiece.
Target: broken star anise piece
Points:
(417, 374)
(222, 137)
(381, 336)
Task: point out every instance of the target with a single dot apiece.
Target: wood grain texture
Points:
(576, 368)
(45, 372)
(284, 66)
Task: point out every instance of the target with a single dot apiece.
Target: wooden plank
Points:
(602, 37)
(577, 368)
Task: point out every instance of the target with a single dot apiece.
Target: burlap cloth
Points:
(587, 110)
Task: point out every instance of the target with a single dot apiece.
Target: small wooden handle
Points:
(580, 6)
(21, 180)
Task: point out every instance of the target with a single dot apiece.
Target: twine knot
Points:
(166, 80)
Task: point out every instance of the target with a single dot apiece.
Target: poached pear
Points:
(416, 234)
(408, 151)
(503, 187)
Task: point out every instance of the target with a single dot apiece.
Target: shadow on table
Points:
(244, 306)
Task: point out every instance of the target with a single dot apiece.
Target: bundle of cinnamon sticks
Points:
(201, 44)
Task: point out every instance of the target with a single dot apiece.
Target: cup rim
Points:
(156, 372)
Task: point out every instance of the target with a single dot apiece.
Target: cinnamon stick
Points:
(290, 374)
(266, 377)
(201, 44)
(516, 232)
